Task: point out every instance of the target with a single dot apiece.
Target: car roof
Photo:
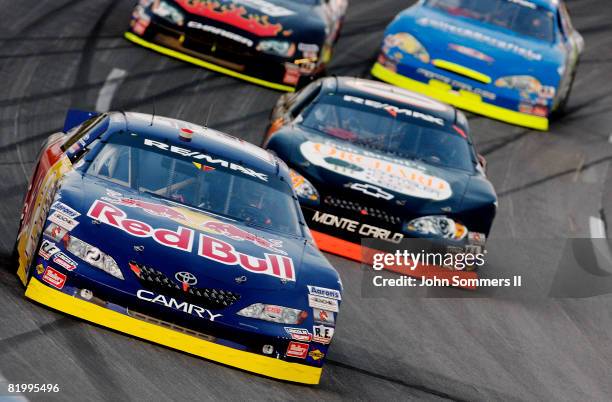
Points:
(168, 130)
(549, 4)
(390, 94)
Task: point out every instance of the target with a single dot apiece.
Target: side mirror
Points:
(74, 117)
(483, 162)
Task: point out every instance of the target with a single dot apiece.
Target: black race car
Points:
(275, 43)
(369, 160)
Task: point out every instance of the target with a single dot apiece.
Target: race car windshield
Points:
(236, 192)
(392, 130)
(520, 16)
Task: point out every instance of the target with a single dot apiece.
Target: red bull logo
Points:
(151, 208)
(183, 239)
(235, 233)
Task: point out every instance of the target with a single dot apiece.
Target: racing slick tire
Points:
(561, 110)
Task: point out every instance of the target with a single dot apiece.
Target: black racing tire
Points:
(561, 110)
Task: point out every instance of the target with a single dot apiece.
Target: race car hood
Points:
(262, 18)
(135, 227)
(418, 186)
(490, 51)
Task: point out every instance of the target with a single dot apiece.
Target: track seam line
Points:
(418, 387)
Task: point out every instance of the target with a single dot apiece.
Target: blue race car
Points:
(511, 60)
(179, 235)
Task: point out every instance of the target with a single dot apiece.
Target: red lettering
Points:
(106, 213)
(253, 264)
(273, 258)
(217, 250)
(182, 239)
(136, 228)
(289, 270)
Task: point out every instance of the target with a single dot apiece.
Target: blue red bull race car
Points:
(180, 235)
(275, 43)
(511, 60)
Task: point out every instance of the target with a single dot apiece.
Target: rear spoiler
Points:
(74, 117)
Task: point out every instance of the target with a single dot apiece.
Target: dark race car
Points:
(370, 160)
(180, 235)
(274, 43)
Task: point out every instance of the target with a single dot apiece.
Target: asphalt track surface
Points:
(59, 54)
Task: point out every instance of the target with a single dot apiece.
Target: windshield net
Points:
(520, 16)
(221, 187)
(389, 129)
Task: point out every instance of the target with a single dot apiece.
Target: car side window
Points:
(303, 98)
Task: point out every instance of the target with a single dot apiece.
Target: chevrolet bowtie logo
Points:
(372, 191)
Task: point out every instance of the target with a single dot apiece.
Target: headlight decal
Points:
(276, 47)
(303, 188)
(93, 256)
(168, 12)
(274, 313)
(438, 226)
(395, 45)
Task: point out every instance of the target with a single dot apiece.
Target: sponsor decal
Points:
(352, 226)
(209, 159)
(237, 15)
(47, 249)
(299, 334)
(468, 51)
(325, 292)
(323, 316)
(220, 32)
(480, 37)
(63, 220)
(172, 303)
(65, 209)
(323, 303)
(292, 74)
(371, 190)
(183, 239)
(477, 238)
(394, 110)
(55, 232)
(235, 233)
(456, 84)
(322, 334)
(387, 173)
(54, 278)
(152, 208)
(297, 350)
(65, 262)
(398, 95)
(316, 354)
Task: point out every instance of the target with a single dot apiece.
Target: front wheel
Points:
(562, 107)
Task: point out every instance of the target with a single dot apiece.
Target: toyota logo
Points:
(186, 278)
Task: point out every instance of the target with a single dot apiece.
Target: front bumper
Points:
(120, 319)
(461, 99)
(189, 57)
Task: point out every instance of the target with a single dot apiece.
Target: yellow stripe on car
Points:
(461, 70)
(255, 363)
(462, 99)
(199, 62)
